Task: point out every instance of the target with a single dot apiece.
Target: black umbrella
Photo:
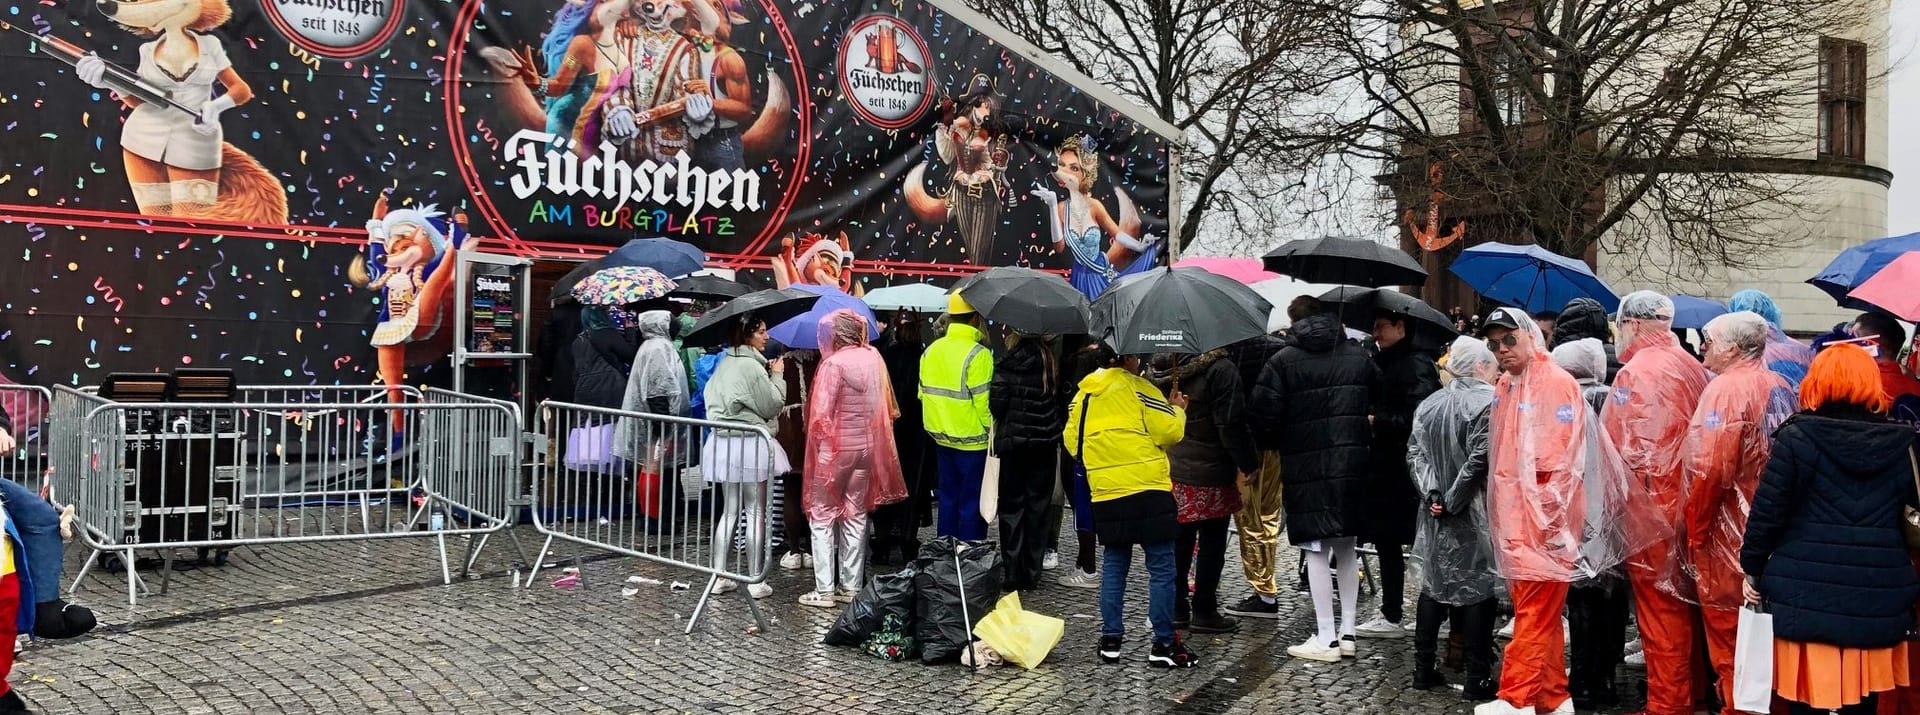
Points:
(772, 306)
(1178, 310)
(1026, 300)
(1348, 261)
(708, 288)
(1359, 306)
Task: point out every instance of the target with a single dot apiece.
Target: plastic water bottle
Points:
(437, 519)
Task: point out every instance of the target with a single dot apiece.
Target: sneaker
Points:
(1500, 707)
(1172, 655)
(759, 591)
(1312, 650)
(1637, 661)
(1255, 607)
(1506, 632)
(725, 585)
(1380, 628)
(807, 559)
(844, 595)
(1075, 578)
(1051, 561)
(1566, 708)
(793, 562)
(1109, 649)
(817, 599)
(1349, 647)
(1633, 646)
(1214, 623)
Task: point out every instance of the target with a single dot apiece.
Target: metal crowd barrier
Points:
(637, 484)
(282, 465)
(28, 408)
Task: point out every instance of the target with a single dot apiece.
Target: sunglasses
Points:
(1494, 344)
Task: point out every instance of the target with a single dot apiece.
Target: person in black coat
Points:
(602, 360)
(1408, 374)
(1080, 357)
(1206, 466)
(1584, 318)
(1312, 405)
(1027, 424)
(899, 523)
(1823, 544)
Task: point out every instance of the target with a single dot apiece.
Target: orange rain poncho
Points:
(1558, 489)
(1653, 398)
(1646, 417)
(1728, 442)
(852, 465)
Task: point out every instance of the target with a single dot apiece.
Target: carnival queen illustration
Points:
(412, 251)
(1082, 226)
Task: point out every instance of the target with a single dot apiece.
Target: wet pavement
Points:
(368, 627)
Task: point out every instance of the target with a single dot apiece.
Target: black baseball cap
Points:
(1508, 318)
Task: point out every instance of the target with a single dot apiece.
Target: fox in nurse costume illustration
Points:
(177, 161)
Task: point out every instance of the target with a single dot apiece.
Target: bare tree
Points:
(1672, 127)
(1222, 71)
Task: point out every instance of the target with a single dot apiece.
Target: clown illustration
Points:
(820, 261)
(972, 142)
(1081, 222)
(412, 251)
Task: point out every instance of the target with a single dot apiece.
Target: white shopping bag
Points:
(1753, 661)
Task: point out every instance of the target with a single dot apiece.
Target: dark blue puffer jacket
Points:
(1823, 539)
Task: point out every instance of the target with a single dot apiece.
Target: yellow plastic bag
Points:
(1024, 638)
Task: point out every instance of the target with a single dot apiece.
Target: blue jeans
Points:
(39, 526)
(1160, 593)
(960, 475)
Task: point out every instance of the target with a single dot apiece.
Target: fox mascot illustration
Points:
(177, 162)
(820, 260)
(414, 252)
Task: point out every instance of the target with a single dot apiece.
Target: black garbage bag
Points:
(943, 622)
(889, 595)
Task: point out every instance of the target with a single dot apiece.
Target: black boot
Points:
(57, 619)
(11, 704)
(1427, 677)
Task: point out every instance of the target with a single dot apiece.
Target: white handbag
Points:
(990, 484)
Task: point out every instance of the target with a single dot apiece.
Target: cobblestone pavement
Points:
(368, 627)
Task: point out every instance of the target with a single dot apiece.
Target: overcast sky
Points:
(1903, 147)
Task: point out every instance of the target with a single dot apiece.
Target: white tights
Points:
(737, 497)
(1320, 582)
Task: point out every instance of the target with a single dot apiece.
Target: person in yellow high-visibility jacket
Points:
(955, 373)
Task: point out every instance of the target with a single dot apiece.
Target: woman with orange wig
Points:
(1823, 547)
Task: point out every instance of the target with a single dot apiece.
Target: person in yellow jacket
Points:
(955, 372)
(1119, 426)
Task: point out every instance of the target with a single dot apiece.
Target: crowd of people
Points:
(1582, 474)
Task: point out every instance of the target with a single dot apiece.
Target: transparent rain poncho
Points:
(1728, 442)
(1653, 398)
(658, 385)
(852, 465)
(1558, 491)
(1446, 457)
(1586, 360)
(1785, 356)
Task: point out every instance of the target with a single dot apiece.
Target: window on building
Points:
(1843, 99)
(1509, 77)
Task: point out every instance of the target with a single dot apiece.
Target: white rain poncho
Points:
(1558, 490)
(658, 385)
(1447, 459)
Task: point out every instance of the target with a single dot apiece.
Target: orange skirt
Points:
(1830, 677)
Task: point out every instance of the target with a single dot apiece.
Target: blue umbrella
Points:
(803, 331)
(1855, 265)
(1530, 277)
(673, 259)
(1690, 313)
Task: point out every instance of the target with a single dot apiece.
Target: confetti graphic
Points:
(427, 106)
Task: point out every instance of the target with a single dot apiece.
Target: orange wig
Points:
(1844, 374)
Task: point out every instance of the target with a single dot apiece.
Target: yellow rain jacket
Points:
(955, 372)
(1129, 426)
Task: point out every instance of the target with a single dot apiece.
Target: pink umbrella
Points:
(1891, 289)
(1244, 270)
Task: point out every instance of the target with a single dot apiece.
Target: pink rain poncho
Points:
(1646, 417)
(1728, 442)
(852, 465)
(1558, 490)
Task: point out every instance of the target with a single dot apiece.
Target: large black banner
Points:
(200, 182)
